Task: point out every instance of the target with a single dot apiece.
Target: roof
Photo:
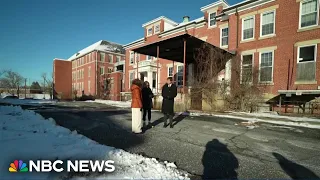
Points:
(217, 3)
(158, 19)
(102, 45)
(173, 48)
(134, 42)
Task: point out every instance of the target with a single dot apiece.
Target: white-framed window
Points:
(110, 57)
(89, 86)
(248, 25)
(224, 34)
(212, 19)
(149, 58)
(170, 71)
(306, 63)
(149, 31)
(101, 70)
(180, 75)
(110, 69)
(266, 66)
(156, 28)
(137, 57)
(309, 13)
(117, 58)
(89, 71)
(267, 25)
(82, 60)
(246, 68)
(89, 56)
(131, 57)
(131, 77)
(79, 75)
(102, 56)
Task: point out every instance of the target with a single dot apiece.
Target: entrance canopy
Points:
(173, 48)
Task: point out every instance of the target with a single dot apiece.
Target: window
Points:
(89, 86)
(110, 58)
(149, 31)
(131, 57)
(149, 58)
(82, 60)
(309, 13)
(89, 56)
(117, 58)
(180, 76)
(248, 28)
(266, 67)
(306, 67)
(101, 70)
(102, 57)
(212, 19)
(79, 75)
(170, 71)
(137, 57)
(131, 77)
(89, 71)
(82, 73)
(224, 36)
(157, 28)
(110, 70)
(246, 68)
(267, 23)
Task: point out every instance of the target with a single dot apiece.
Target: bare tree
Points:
(11, 81)
(246, 92)
(209, 62)
(47, 84)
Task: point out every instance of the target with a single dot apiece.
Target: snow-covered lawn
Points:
(267, 117)
(121, 104)
(26, 135)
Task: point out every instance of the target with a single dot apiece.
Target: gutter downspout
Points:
(237, 14)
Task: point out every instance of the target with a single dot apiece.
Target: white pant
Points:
(136, 120)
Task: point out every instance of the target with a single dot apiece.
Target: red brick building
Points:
(279, 37)
(95, 70)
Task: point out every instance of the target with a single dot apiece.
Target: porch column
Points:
(150, 78)
(158, 79)
(184, 65)
(135, 60)
(173, 72)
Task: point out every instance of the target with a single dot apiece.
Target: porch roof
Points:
(173, 48)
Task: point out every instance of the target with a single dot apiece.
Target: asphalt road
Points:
(210, 147)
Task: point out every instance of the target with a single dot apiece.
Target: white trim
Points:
(260, 53)
(252, 64)
(242, 30)
(130, 56)
(89, 71)
(168, 72)
(103, 70)
(315, 52)
(248, 6)
(177, 72)
(134, 43)
(225, 46)
(158, 19)
(212, 5)
(274, 23)
(300, 9)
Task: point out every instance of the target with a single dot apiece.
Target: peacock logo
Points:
(18, 166)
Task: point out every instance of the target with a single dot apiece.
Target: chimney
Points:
(185, 19)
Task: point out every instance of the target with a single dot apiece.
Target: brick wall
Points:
(62, 79)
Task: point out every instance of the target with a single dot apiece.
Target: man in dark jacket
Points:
(147, 96)
(169, 92)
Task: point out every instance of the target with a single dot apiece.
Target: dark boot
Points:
(165, 118)
(170, 121)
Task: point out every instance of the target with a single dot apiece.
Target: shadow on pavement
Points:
(294, 170)
(219, 162)
(98, 126)
(178, 119)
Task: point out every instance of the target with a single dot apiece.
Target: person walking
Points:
(147, 96)
(169, 92)
(136, 106)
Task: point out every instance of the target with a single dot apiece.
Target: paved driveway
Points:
(209, 146)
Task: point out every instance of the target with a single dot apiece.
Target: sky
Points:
(34, 32)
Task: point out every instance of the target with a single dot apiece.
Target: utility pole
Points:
(25, 88)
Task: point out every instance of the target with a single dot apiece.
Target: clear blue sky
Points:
(34, 32)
